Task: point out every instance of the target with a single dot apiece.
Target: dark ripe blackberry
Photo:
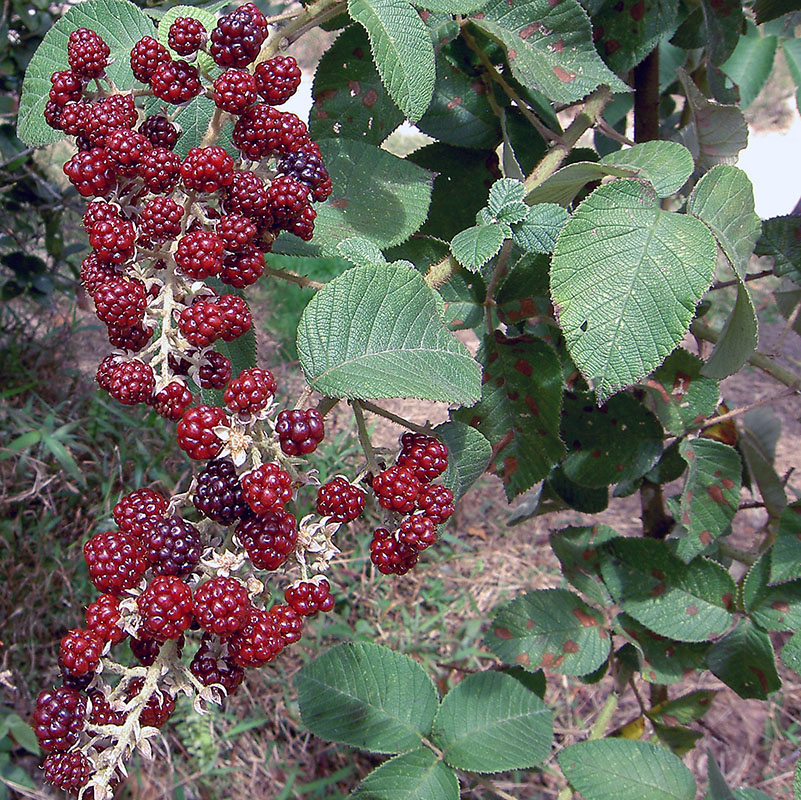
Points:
(243, 269)
(160, 169)
(135, 509)
(160, 131)
(91, 173)
(101, 712)
(178, 365)
(161, 219)
(116, 561)
(158, 708)
(175, 82)
(218, 495)
(236, 40)
(145, 650)
(288, 198)
(59, 718)
(209, 666)
(269, 538)
(66, 87)
(299, 431)
(67, 771)
(340, 500)
(77, 682)
(146, 55)
(277, 79)
(306, 166)
(207, 169)
(172, 400)
(186, 35)
(234, 90)
(215, 371)
(132, 382)
(236, 232)
(87, 53)
(172, 545)
(247, 195)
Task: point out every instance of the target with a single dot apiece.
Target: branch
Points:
(753, 277)
(364, 437)
(405, 423)
(745, 409)
(292, 277)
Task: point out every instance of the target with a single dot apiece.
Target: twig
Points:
(304, 397)
(607, 130)
(605, 715)
(745, 409)
(498, 274)
(405, 423)
(791, 320)
(326, 404)
(754, 276)
(488, 784)
(292, 277)
(364, 437)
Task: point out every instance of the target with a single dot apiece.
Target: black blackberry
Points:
(219, 494)
(173, 546)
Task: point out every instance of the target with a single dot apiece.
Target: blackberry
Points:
(222, 606)
(266, 488)
(91, 173)
(287, 623)
(268, 538)
(306, 166)
(145, 650)
(250, 391)
(161, 219)
(303, 226)
(210, 667)
(102, 713)
(113, 240)
(247, 195)
(94, 273)
(205, 321)
(67, 771)
(396, 489)
(218, 495)
(87, 53)
(125, 148)
(132, 339)
(146, 55)
(172, 401)
(257, 642)
(186, 35)
(215, 371)
(160, 169)
(116, 561)
(103, 617)
(52, 115)
(234, 90)
(175, 82)
(426, 455)
(72, 118)
(79, 653)
(66, 86)
(59, 718)
(236, 232)
(242, 269)
(255, 131)
(103, 116)
(132, 382)
(436, 502)
(288, 197)
(158, 708)
(160, 132)
(136, 509)
(236, 40)
(417, 531)
(120, 302)
(340, 500)
(310, 597)
(207, 169)
(166, 607)
(200, 254)
(97, 211)
(390, 556)
(195, 432)
(172, 545)
(290, 133)
(277, 79)
(104, 370)
(299, 431)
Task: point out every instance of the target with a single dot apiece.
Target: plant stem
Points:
(604, 717)
(300, 280)
(565, 794)
(745, 409)
(326, 404)
(744, 557)
(364, 437)
(439, 273)
(753, 277)
(382, 412)
(489, 785)
(498, 274)
(646, 98)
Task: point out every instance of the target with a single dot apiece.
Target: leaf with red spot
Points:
(519, 409)
(550, 628)
(549, 47)
(774, 608)
(744, 660)
(688, 602)
(579, 553)
(724, 21)
(710, 495)
(785, 555)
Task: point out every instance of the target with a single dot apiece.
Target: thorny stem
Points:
(745, 409)
(300, 280)
(326, 404)
(497, 276)
(364, 437)
(310, 17)
(440, 273)
(382, 412)
(755, 276)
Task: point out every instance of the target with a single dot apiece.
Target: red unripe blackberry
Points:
(390, 556)
(59, 718)
(256, 131)
(175, 82)
(132, 382)
(257, 642)
(269, 538)
(172, 401)
(137, 508)
(195, 432)
(160, 131)
(309, 597)
(247, 195)
(277, 79)
(287, 623)
(113, 240)
(97, 211)
(200, 254)
(160, 169)
(266, 487)
(299, 431)
(289, 134)
(67, 771)
(52, 115)
(234, 90)
(243, 269)
(161, 219)
(250, 391)
(79, 653)
(303, 226)
(236, 40)
(236, 316)
(120, 302)
(66, 87)
(101, 712)
(116, 561)
(205, 321)
(146, 55)
(131, 339)
(426, 455)
(172, 546)
(94, 273)
(166, 608)
(125, 148)
(222, 606)
(340, 500)
(186, 35)
(288, 198)
(158, 708)
(72, 119)
(436, 501)
(87, 53)
(417, 531)
(104, 370)
(207, 169)
(215, 371)
(103, 116)
(102, 618)
(236, 232)
(397, 488)
(91, 173)
(209, 667)
(145, 650)
(218, 495)
(252, 13)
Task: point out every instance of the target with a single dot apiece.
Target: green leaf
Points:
(737, 340)
(684, 709)
(451, 6)
(791, 655)
(538, 231)
(360, 252)
(744, 660)
(717, 789)
(581, 498)
(524, 292)
(402, 51)
(368, 696)
(578, 552)
(624, 769)
(550, 628)
(723, 20)
(679, 739)
(563, 186)
(751, 63)
(710, 495)
(350, 100)
(475, 246)
(620, 441)
(664, 660)
(759, 429)
(549, 47)
(687, 602)
(665, 165)
(505, 201)
(519, 410)
(23, 733)
(120, 23)
(469, 454)
(781, 239)
(792, 54)
(654, 266)
(490, 722)
(376, 331)
(774, 608)
(377, 196)
(209, 22)
(785, 562)
(417, 775)
(193, 119)
(679, 395)
(717, 133)
(460, 113)
(767, 10)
